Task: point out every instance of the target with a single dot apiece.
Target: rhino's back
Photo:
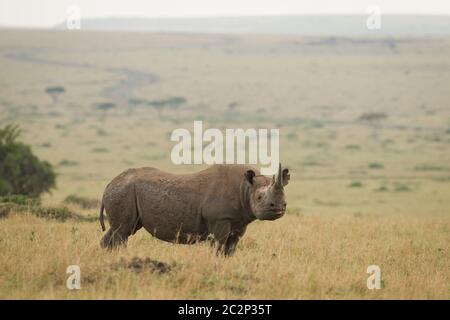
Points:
(223, 176)
(167, 191)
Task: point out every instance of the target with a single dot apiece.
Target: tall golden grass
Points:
(297, 257)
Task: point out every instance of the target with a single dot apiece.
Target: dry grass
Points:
(297, 257)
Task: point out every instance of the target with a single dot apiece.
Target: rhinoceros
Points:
(216, 203)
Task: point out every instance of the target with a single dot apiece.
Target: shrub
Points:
(106, 106)
(57, 213)
(83, 202)
(102, 133)
(173, 102)
(402, 187)
(20, 200)
(429, 167)
(355, 184)
(170, 103)
(136, 101)
(372, 116)
(21, 172)
(100, 150)
(66, 162)
(24, 204)
(376, 165)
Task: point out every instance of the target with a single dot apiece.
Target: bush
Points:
(376, 165)
(372, 116)
(173, 102)
(106, 106)
(83, 202)
(57, 213)
(355, 184)
(66, 162)
(100, 150)
(21, 172)
(20, 200)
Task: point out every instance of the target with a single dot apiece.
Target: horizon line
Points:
(218, 16)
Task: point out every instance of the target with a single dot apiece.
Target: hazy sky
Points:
(43, 13)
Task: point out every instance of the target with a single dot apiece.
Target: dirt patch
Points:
(138, 265)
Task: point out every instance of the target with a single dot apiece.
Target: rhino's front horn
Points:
(279, 178)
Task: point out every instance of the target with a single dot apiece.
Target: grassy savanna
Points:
(362, 191)
(298, 257)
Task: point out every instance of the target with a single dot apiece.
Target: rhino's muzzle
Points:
(271, 214)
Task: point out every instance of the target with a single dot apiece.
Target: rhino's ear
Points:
(286, 176)
(249, 176)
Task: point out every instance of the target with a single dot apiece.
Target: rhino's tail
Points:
(102, 217)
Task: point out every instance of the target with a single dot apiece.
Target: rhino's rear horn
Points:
(286, 176)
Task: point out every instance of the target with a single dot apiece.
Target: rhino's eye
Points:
(259, 197)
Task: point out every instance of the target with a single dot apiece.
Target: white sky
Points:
(44, 13)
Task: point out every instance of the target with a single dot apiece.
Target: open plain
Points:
(364, 128)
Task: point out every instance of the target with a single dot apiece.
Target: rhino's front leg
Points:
(221, 231)
(233, 239)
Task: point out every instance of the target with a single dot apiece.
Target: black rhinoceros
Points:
(184, 208)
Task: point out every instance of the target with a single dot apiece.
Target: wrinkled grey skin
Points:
(220, 201)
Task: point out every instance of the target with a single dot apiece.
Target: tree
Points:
(54, 92)
(105, 106)
(21, 172)
(173, 103)
(374, 119)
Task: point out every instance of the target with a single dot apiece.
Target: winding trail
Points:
(120, 93)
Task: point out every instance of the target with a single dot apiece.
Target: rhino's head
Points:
(264, 196)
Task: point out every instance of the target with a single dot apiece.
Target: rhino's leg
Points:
(124, 220)
(115, 237)
(106, 240)
(221, 231)
(233, 240)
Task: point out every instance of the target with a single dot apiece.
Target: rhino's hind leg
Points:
(115, 237)
(123, 216)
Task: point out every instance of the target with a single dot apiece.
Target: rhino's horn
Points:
(279, 178)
